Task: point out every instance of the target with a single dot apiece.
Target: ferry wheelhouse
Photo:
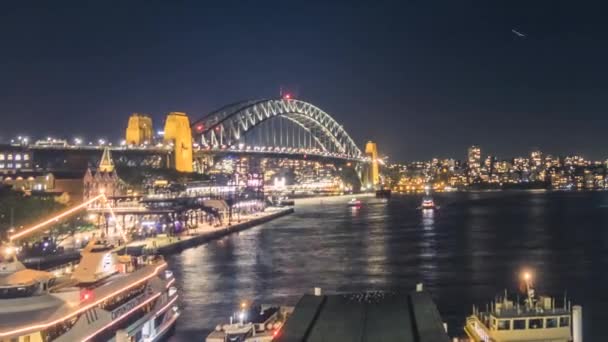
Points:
(108, 297)
(537, 319)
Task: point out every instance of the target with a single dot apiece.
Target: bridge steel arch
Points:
(226, 126)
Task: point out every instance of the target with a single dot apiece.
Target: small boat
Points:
(255, 324)
(354, 203)
(538, 318)
(285, 201)
(428, 203)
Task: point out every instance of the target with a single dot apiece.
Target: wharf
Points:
(169, 245)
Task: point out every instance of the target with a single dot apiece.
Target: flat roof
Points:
(369, 316)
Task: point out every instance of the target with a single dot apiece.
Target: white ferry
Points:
(537, 319)
(354, 203)
(428, 203)
(108, 297)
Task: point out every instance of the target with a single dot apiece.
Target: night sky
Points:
(422, 78)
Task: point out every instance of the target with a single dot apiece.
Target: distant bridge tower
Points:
(371, 150)
(139, 129)
(177, 130)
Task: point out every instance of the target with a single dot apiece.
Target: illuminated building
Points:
(104, 180)
(14, 159)
(474, 161)
(536, 159)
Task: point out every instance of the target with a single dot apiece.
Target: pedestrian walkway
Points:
(162, 241)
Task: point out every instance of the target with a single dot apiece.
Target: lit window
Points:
(2, 166)
(26, 157)
(10, 157)
(17, 157)
(18, 165)
(9, 165)
(1, 156)
(504, 324)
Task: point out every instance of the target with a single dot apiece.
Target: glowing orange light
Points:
(56, 218)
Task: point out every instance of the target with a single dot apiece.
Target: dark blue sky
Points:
(423, 78)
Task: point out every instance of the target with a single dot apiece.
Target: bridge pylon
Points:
(177, 131)
(373, 174)
(139, 129)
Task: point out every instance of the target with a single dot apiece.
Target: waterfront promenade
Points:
(164, 244)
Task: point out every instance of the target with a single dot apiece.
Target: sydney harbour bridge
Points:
(267, 128)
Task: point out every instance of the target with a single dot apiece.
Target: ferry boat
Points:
(255, 324)
(428, 203)
(537, 319)
(355, 203)
(108, 297)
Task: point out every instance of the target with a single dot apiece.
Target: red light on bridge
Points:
(200, 127)
(287, 96)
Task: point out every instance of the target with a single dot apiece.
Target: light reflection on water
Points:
(465, 253)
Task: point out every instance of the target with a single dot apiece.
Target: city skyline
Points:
(421, 79)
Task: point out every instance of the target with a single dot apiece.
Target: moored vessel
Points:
(538, 318)
(108, 296)
(259, 323)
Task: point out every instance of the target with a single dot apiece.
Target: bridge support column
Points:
(373, 174)
(177, 130)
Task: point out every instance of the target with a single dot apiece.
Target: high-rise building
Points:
(474, 159)
(536, 159)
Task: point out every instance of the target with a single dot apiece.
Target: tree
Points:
(19, 210)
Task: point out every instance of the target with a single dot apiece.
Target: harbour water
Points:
(465, 253)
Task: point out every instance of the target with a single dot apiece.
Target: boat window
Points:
(551, 322)
(535, 323)
(564, 321)
(519, 324)
(504, 324)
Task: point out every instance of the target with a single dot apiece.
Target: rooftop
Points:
(370, 316)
